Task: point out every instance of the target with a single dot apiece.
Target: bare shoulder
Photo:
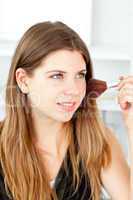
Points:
(116, 177)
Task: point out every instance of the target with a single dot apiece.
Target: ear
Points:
(22, 80)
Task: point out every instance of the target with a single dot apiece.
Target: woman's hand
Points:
(125, 99)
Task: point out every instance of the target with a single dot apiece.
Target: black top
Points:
(63, 185)
(3, 195)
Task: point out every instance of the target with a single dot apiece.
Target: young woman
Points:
(53, 143)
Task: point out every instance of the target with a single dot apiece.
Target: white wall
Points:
(110, 24)
(17, 15)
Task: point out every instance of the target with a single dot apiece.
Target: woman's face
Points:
(58, 85)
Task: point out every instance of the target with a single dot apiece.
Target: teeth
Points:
(67, 104)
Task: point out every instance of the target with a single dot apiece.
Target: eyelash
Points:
(61, 75)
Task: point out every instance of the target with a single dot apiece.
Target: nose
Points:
(72, 88)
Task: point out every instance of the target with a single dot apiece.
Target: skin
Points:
(49, 119)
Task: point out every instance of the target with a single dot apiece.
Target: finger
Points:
(121, 77)
(124, 81)
(128, 87)
(124, 105)
(125, 101)
(126, 90)
(124, 76)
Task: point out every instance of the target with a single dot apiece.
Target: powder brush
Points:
(96, 87)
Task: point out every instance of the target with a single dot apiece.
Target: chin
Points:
(64, 118)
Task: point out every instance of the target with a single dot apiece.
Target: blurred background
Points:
(104, 25)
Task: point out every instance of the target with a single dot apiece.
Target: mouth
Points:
(67, 106)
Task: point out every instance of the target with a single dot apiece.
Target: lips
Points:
(67, 106)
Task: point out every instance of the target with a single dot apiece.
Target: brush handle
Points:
(112, 86)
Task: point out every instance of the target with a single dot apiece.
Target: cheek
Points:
(82, 88)
(37, 94)
(49, 96)
(82, 92)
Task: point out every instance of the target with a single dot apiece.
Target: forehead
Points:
(64, 59)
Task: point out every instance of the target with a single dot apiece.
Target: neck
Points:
(50, 135)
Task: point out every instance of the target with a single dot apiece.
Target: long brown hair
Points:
(25, 176)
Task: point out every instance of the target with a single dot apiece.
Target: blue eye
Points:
(82, 75)
(57, 76)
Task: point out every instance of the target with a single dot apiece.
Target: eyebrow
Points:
(56, 70)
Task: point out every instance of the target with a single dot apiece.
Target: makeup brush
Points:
(96, 87)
